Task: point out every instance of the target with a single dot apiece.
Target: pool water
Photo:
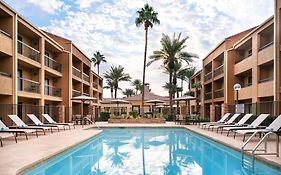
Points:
(149, 152)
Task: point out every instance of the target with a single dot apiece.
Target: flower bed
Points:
(143, 120)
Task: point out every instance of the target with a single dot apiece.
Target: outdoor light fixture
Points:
(237, 87)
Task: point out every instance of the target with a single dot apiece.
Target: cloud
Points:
(49, 6)
(109, 27)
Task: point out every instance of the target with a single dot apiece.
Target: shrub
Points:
(104, 116)
(134, 113)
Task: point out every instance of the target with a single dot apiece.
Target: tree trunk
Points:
(144, 68)
(115, 95)
(171, 95)
(111, 91)
(181, 86)
(98, 69)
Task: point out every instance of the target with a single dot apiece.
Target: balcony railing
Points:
(95, 85)
(28, 85)
(76, 72)
(266, 45)
(86, 77)
(49, 62)
(5, 33)
(75, 93)
(86, 94)
(208, 76)
(219, 93)
(208, 95)
(28, 51)
(52, 91)
(218, 70)
(266, 79)
(242, 58)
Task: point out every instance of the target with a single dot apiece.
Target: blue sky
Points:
(108, 26)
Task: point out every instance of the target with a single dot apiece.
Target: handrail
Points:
(266, 80)
(208, 73)
(265, 46)
(76, 68)
(29, 46)
(54, 64)
(32, 81)
(5, 33)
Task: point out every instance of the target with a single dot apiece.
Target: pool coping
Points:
(43, 160)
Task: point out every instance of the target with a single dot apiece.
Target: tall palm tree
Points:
(170, 54)
(197, 87)
(98, 59)
(146, 16)
(110, 85)
(137, 84)
(116, 74)
(185, 74)
(128, 92)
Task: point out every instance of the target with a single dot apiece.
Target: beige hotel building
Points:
(250, 58)
(41, 72)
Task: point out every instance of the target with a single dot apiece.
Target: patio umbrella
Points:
(185, 98)
(83, 98)
(154, 101)
(119, 101)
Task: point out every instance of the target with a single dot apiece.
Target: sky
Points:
(109, 26)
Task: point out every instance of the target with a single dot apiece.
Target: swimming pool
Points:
(149, 151)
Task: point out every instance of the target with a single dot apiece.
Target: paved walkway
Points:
(16, 157)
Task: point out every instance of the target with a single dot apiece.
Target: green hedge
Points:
(104, 116)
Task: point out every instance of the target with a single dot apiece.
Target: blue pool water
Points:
(149, 152)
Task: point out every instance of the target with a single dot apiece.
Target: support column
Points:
(212, 113)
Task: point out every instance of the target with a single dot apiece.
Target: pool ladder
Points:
(255, 151)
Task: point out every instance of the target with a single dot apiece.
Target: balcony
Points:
(27, 85)
(28, 51)
(6, 45)
(95, 85)
(265, 87)
(75, 93)
(6, 84)
(218, 71)
(86, 77)
(266, 53)
(86, 94)
(245, 93)
(76, 72)
(244, 65)
(219, 93)
(266, 80)
(208, 76)
(52, 91)
(53, 64)
(208, 95)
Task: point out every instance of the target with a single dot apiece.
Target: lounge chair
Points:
(222, 120)
(37, 122)
(21, 125)
(273, 127)
(254, 125)
(51, 121)
(229, 122)
(6, 135)
(180, 119)
(5, 129)
(241, 122)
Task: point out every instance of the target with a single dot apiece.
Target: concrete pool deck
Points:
(27, 153)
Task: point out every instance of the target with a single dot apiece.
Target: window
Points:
(249, 81)
(20, 46)
(249, 52)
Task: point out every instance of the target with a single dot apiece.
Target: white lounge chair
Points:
(20, 124)
(222, 120)
(229, 122)
(6, 135)
(5, 129)
(241, 122)
(37, 122)
(273, 127)
(51, 121)
(254, 125)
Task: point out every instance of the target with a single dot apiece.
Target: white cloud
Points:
(109, 27)
(49, 6)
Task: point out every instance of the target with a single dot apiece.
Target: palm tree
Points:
(115, 75)
(146, 16)
(98, 59)
(197, 87)
(128, 92)
(137, 84)
(110, 85)
(185, 74)
(172, 53)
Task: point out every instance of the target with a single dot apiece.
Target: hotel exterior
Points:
(41, 72)
(251, 59)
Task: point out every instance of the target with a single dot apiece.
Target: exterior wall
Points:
(277, 50)
(39, 56)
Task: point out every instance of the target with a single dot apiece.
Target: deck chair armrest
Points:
(261, 127)
(13, 127)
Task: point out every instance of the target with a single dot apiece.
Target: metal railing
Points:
(218, 70)
(95, 85)
(266, 45)
(86, 94)
(5, 33)
(266, 80)
(52, 91)
(75, 93)
(28, 51)
(76, 72)
(86, 77)
(51, 63)
(28, 85)
(219, 93)
(208, 95)
(208, 76)
(243, 58)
